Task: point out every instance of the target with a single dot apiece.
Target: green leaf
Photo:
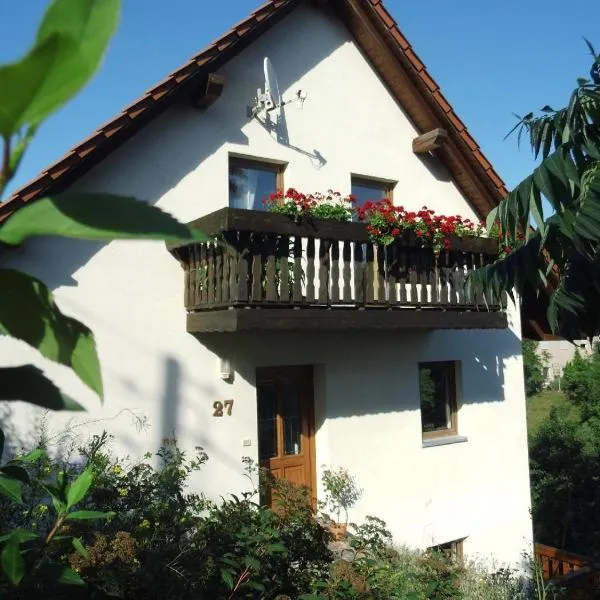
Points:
(28, 312)
(15, 472)
(255, 585)
(69, 577)
(80, 548)
(29, 384)
(79, 488)
(71, 41)
(24, 82)
(22, 536)
(227, 578)
(59, 574)
(252, 563)
(88, 515)
(11, 488)
(277, 548)
(94, 217)
(59, 505)
(31, 457)
(12, 562)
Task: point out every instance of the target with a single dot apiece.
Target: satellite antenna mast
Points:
(270, 99)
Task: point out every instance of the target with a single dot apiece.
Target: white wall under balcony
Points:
(130, 294)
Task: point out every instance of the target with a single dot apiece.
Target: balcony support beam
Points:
(316, 319)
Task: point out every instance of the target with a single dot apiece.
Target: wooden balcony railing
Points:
(569, 571)
(259, 260)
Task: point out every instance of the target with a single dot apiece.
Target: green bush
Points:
(162, 541)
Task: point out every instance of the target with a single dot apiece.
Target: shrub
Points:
(341, 491)
(163, 541)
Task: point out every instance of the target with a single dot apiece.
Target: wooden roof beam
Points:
(430, 141)
(208, 91)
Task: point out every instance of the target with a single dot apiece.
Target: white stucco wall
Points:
(367, 400)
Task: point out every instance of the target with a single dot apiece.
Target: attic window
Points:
(251, 181)
(365, 188)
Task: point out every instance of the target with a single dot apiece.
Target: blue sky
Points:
(490, 58)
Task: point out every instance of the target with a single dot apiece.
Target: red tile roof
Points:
(109, 136)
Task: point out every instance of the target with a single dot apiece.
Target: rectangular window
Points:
(370, 189)
(437, 388)
(453, 550)
(251, 181)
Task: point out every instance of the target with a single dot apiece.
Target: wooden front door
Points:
(285, 408)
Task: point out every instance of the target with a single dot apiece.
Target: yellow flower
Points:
(117, 470)
(123, 492)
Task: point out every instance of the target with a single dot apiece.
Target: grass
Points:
(540, 405)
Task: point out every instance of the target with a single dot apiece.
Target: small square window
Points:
(251, 182)
(453, 550)
(437, 389)
(370, 189)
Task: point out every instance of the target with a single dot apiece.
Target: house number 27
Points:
(219, 406)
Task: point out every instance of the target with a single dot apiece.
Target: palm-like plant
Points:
(560, 255)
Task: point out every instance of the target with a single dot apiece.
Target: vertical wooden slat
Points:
(370, 274)
(232, 256)
(243, 257)
(470, 267)
(488, 293)
(413, 276)
(381, 275)
(283, 253)
(459, 277)
(218, 273)
(444, 277)
(425, 259)
(310, 269)
(324, 246)
(346, 273)
(477, 262)
(256, 290)
(391, 260)
(297, 289)
(186, 256)
(194, 254)
(210, 258)
(433, 279)
(359, 273)
(270, 270)
(335, 272)
(200, 282)
(402, 258)
(225, 276)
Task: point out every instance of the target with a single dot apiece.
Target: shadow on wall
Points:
(14, 439)
(173, 424)
(370, 373)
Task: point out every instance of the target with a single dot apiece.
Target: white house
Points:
(326, 372)
(556, 354)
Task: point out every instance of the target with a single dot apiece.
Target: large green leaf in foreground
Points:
(28, 312)
(94, 217)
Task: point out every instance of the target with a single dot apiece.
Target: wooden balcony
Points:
(263, 271)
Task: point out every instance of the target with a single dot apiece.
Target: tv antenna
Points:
(270, 99)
